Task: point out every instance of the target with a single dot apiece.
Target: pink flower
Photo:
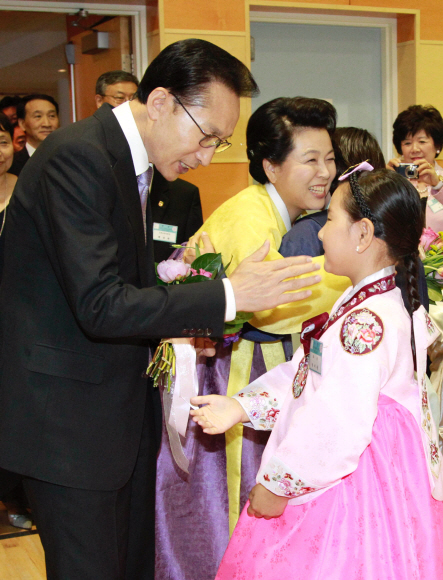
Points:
(172, 270)
(367, 335)
(200, 273)
(428, 236)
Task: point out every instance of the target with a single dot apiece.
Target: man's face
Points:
(175, 144)
(11, 113)
(40, 120)
(19, 140)
(116, 94)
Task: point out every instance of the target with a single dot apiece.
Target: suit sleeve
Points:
(79, 193)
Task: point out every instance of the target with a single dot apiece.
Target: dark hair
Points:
(394, 207)
(270, 130)
(353, 145)
(6, 125)
(418, 118)
(111, 77)
(9, 101)
(187, 67)
(21, 107)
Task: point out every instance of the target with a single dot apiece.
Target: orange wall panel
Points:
(204, 14)
(218, 182)
(405, 27)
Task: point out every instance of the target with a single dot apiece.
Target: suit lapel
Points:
(123, 168)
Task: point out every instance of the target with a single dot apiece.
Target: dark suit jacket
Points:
(20, 159)
(76, 310)
(180, 206)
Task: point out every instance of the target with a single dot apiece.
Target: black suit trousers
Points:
(85, 533)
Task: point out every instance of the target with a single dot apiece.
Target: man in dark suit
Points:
(79, 301)
(38, 117)
(176, 213)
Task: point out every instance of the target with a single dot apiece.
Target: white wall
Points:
(342, 63)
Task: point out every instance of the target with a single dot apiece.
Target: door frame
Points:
(388, 27)
(136, 12)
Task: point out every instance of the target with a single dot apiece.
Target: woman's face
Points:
(304, 178)
(418, 146)
(6, 152)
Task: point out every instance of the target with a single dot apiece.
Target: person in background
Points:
(19, 138)
(38, 117)
(11, 489)
(418, 138)
(8, 106)
(115, 87)
(175, 205)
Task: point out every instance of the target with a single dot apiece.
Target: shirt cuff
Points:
(437, 188)
(231, 309)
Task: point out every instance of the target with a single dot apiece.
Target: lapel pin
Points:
(160, 203)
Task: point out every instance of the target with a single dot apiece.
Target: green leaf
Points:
(197, 251)
(209, 262)
(434, 295)
(237, 324)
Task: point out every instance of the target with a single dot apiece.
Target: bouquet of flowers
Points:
(431, 254)
(205, 268)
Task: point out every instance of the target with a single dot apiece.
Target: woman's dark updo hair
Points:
(394, 204)
(6, 125)
(271, 129)
(418, 118)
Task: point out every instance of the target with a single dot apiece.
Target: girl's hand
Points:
(426, 172)
(265, 504)
(393, 163)
(218, 414)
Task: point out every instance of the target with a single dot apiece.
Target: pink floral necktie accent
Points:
(144, 183)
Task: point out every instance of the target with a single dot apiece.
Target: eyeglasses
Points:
(208, 140)
(120, 99)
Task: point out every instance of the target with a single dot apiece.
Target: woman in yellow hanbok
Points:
(292, 159)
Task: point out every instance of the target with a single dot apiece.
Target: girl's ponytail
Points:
(411, 267)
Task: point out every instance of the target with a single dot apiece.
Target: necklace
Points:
(424, 190)
(3, 224)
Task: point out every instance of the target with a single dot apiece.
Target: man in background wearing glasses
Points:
(79, 303)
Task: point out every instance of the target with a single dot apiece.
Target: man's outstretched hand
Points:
(260, 285)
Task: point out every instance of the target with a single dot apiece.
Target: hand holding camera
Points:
(420, 169)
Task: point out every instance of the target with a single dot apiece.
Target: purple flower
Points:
(230, 338)
(172, 270)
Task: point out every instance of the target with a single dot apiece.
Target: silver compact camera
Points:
(408, 170)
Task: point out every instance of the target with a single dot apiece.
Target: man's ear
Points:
(99, 101)
(157, 103)
(21, 124)
(270, 169)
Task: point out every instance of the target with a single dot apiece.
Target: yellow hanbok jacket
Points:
(237, 229)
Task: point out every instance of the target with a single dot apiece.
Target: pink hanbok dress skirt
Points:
(378, 523)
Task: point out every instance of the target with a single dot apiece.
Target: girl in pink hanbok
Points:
(349, 486)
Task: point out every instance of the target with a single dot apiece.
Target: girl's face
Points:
(418, 146)
(304, 178)
(6, 152)
(340, 236)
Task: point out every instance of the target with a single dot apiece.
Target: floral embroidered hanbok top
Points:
(322, 423)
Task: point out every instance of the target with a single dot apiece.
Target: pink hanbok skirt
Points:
(379, 523)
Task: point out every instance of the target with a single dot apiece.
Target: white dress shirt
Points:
(140, 159)
(30, 149)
